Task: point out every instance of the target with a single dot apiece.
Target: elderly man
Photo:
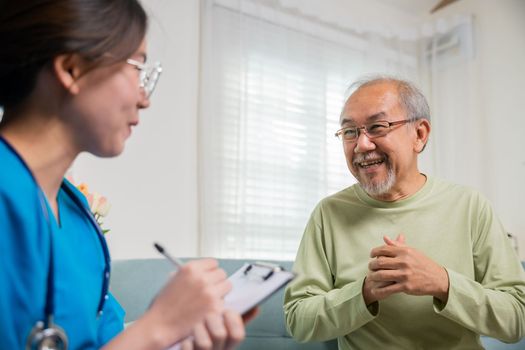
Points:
(402, 260)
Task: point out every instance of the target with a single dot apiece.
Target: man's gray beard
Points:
(379, 189)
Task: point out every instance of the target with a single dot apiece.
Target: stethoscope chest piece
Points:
(46, 338)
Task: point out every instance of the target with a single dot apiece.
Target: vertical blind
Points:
(270, 103)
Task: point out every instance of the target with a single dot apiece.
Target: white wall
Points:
(153, 185)
(499, 78)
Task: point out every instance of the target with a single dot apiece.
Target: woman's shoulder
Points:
(18, 189)
(15, 178)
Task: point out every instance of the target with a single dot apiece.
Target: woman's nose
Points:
(143, 100)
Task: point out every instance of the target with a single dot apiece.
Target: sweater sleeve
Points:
(314, 310)
(494, 303)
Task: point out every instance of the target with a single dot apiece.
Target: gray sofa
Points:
(135, 282)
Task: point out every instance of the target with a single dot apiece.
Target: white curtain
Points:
(273, 84)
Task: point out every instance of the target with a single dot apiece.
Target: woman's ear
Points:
(68, 68)
(422, 134)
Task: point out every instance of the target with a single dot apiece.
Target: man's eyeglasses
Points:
(149, 75)
(372, 130)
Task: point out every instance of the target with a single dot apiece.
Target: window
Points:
(270, 104)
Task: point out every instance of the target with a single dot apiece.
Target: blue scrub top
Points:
(25, 236)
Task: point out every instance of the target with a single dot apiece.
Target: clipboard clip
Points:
(261, 270)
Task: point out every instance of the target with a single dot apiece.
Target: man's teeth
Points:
(370, 162)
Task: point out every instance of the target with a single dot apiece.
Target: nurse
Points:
(73, 78)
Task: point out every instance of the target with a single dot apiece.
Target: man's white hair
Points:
(410, 97)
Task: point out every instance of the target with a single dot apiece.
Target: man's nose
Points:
(363, 143)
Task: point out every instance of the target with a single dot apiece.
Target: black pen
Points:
(174, 261)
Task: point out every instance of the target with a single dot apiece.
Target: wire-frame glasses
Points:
(372, 130)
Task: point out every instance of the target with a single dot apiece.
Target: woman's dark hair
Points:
(34, 32)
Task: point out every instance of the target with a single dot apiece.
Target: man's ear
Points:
(422, 134)
(68, 68)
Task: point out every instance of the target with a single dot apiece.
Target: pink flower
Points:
(98, 204)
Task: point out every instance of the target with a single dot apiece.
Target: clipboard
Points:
(253, 283)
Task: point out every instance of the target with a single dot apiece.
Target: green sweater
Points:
(453, 225)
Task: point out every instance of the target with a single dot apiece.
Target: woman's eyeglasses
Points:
(149, 75)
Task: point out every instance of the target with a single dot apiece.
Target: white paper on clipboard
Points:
(254, 283)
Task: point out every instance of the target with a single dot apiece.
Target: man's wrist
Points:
(443, 287)
(367, 294)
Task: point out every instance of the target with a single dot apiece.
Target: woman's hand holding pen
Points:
(195, 291)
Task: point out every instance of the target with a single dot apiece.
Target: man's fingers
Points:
(399, 241)
(389, 241)
(385, 250)
(383, 263)
(386, 276)
(387, 290)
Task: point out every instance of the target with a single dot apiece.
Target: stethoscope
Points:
(46, 335)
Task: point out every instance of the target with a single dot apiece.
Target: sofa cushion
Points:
(135, 282)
